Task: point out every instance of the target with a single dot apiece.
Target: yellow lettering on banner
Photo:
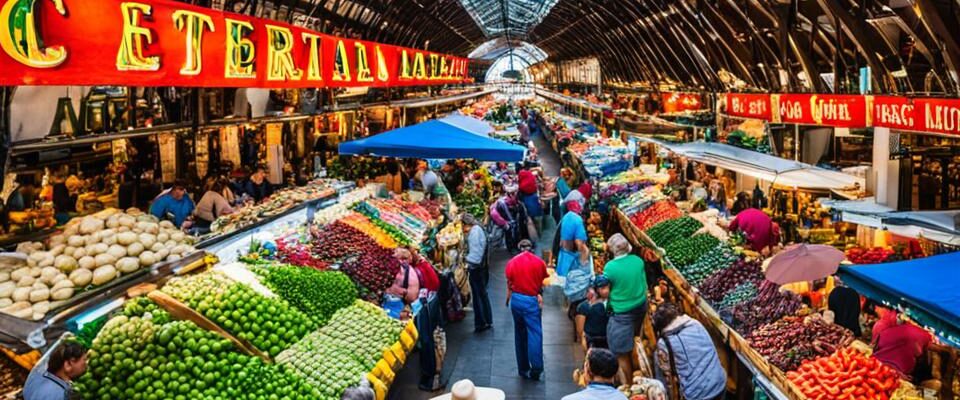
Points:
(235, 64)
(434, 67)
(280, 66)
(419, 66)
(444, 68)
(313, 68)
(341, 65)
(363, 65)
(23, 43)
(405, 70)
(194, 23)
(130, 56)
(383, 75)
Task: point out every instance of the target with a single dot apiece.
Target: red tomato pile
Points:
(876, 255)
(655, 214)
(846, 374)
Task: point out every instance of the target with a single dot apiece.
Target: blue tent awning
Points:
(434, 139)
(468, 123)
(927, 289)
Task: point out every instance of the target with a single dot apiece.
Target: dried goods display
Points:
(847, 373)
(793, 340)
(276, 204)
(91, 251)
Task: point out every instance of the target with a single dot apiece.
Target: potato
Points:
(92, 238)
(147, 258)
(125, 238)
(62, 290)
(49, 274)
(162, 254)
(21, 294)
(38, 295)
(71, 230)
(57, 249)
(6, 289)
(157, 247)
(104, 274)
(4, 276)
(109, 240)
(173, 257)
(179, 249)
(104, 259)
(79, 253)
(163, 237)
(26, 281)
(87, 262)
(18, 274)
(90, 224)
(128, 264)
(76, 241)
(41, 308)
(98, 249)
(167, 225)
(171, 244)
(57, 240)
(69, 250)
(81, 277)
(113, 221)
(127, 221)
(47, 261)
(134, 249)
(20, 309)
(107, 233)
(65, 263)
(117, 251)
(5, 302)
(147, 240)
(177, 236)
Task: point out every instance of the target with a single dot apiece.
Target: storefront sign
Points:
(166, 43)
(748, 105)
(921, 115)
(845, 111)
(679, 102)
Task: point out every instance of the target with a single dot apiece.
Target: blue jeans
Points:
(527, 334)
(482, 312)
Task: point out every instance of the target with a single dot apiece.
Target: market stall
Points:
(420, 141)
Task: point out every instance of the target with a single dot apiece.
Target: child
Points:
(592, 315)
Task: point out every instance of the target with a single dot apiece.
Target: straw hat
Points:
(465, 390)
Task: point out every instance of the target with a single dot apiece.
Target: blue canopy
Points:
(434, 139)
(468, 123)
(927, 289)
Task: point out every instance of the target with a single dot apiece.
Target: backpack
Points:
(451, 299)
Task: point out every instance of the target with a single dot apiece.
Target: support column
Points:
(884, 179)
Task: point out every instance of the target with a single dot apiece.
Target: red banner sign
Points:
(748, 105)
(846, 111)
(166, 43)
(921, 115)
(679, 102)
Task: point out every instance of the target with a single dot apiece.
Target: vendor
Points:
(213, 204)
(428, 179)
(175, 205)
(758, 229)
(53, 380)
(900, 345)
(257, 186)
(65, 198)
(23, 197)
(452, 176)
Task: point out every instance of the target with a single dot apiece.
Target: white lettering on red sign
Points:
(829, 110)
(895, 114)
(757, 107)
(943, 118)
(791, 110)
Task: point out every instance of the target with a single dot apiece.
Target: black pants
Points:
(482, 312)
(427, 321)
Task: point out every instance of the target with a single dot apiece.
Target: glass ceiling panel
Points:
(513, 18)
(496, 48)
(508, 63)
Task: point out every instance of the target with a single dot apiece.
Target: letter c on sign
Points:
(21, 41)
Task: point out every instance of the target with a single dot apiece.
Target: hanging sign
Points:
(166, 43)
(748, 105)
(679, 102)
(921, 114)
(838, 110)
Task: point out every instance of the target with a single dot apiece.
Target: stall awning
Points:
(927, 289)
(434, 139)
(777, 170)
(940, 226)
(468, 123)
(415, 103)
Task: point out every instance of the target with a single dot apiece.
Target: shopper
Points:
(741, 203)
(507, 213)
(525, 273)
(212, 205)
(580, 195)
(428, 179)
(757, 228)
(67, 362)
(845, 304)
(686, 360)
(529, 188)
(257, 186)
(566, 183)
(476, 267)
(466, 390)
(901, 345)
(572, 233)
(600, 368)
(175, 205)
(592, 316)
(628, 300)
(452, 177)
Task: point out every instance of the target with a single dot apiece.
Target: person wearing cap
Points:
(600, 368)
(525, 274)
(592, 315)
(627, 300)
(466, 390)
(175, 205)
(476, 252)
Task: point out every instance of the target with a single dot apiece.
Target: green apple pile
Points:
(269, 323)
(135, 359)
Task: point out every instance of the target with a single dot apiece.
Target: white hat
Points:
(465, 390)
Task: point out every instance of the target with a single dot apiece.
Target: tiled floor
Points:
(488, 358)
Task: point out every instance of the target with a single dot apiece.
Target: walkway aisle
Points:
(487, 358)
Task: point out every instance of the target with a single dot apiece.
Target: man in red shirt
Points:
(525, 275)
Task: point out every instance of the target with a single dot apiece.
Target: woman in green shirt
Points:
(627, 301)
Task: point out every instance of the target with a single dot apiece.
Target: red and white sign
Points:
(748, 105)
(166, 43)
(845, 111)
(920, 114)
